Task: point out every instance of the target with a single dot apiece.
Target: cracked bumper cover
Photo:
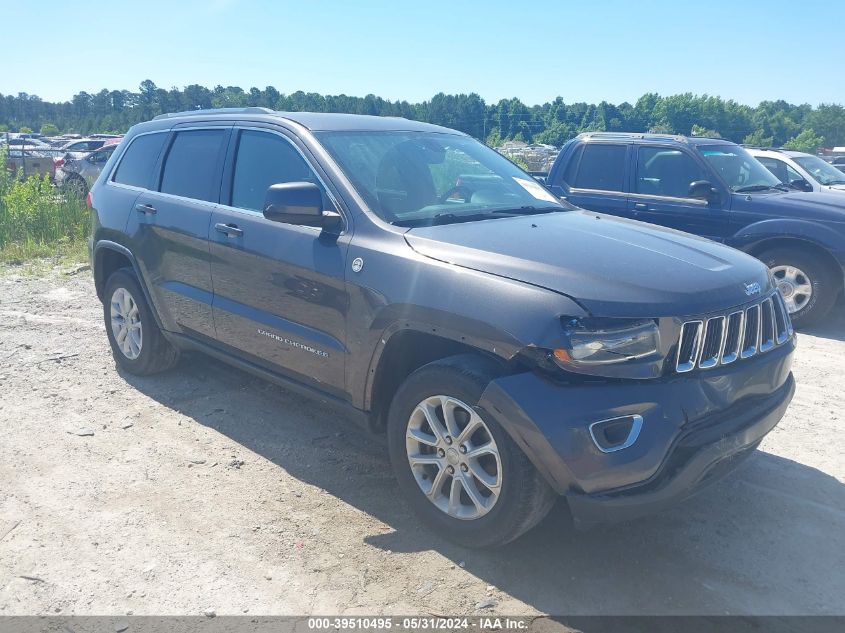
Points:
(695, 429)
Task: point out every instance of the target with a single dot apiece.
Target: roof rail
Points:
(763, 147)
(215, 111)
(632, 135)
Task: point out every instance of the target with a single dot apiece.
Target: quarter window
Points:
(601, 166)
(191, 165)
(136, 166)
(662, 171)
(265, 159)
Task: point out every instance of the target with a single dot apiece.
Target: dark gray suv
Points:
(514, 348)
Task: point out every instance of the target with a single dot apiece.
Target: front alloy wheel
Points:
(457, 466)
(126, 323)
(794, 285)
(453, 457)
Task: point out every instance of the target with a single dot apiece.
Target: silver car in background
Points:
(81, 147)
(76, 175)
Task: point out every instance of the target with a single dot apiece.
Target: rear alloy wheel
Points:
(459, 469)
(126, 326)
(76, 187)
(806, 282)
(137, 343)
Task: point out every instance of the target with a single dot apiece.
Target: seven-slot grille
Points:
(722, 339)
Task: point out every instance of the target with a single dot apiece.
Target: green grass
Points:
(36, 221)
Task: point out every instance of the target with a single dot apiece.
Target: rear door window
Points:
(601, 166)
(136, 165)
(191, 165)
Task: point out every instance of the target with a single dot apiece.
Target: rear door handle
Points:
(640, 206)
(146, 209)
(228, 229)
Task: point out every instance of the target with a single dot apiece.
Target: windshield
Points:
(739, 169)
(418, 178)
(823, 172)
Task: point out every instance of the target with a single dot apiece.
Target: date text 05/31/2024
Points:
(420, 623)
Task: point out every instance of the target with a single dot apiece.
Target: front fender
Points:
(814, 233)
(499, 324)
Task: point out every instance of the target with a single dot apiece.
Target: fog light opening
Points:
(615, 434)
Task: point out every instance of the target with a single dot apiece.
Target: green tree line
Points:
(769, 123)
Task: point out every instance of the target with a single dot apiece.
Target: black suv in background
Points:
(512, 347)
(716, 189)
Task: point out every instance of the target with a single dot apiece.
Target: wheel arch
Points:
(110, 256)
(404, 351)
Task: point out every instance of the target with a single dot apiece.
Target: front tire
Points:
(807, 284)
(461, 472)
(137, 343)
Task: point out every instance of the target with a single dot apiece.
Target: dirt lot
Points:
(208, 489)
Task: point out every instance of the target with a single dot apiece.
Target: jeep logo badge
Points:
(752, 288)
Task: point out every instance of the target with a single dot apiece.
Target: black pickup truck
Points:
(716, 189)
(513, 348)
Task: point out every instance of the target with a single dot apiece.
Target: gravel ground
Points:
(208, 489)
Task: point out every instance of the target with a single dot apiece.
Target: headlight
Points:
(590, 342)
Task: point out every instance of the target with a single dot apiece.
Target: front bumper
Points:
(695, 428)
(698, 458)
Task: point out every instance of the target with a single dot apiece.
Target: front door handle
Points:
(146, 209)
(640, 206)
(231, 230)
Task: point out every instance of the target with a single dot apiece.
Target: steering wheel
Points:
(466, 193)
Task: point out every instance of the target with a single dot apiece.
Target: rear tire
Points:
(76, 187)
(137, 343)
(808, 285)
(515, 497)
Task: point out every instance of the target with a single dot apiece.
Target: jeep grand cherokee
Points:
(514, 348)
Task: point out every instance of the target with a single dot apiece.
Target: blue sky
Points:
(612, 50)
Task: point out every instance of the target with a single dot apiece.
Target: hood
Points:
(825, 205)
(612, 266)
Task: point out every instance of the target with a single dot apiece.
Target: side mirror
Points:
(800, 184)
(299, 203)
(702, 189)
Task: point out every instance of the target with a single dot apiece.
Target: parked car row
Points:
(721, 191)
(72, 163)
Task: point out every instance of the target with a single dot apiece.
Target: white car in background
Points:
(800, 170)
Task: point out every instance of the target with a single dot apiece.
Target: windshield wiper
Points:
(453, 218)
(527, 210)
(751, 188)
(836, 182)
(441, 218)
